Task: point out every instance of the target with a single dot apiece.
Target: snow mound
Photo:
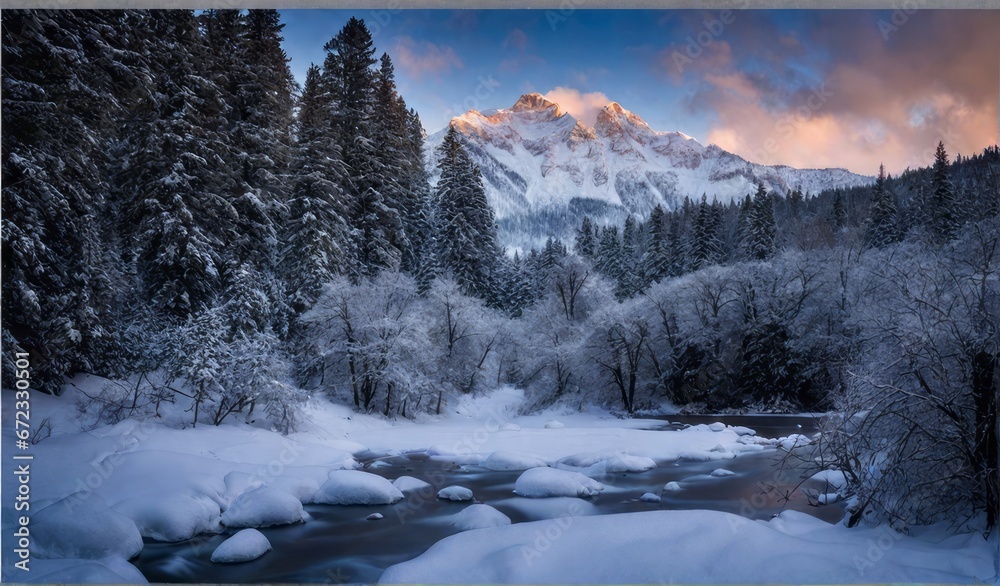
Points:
(246, 545)
(263, 507)
(109, 570)
(835, 479)
(409, 484)
(649, 498)
(510, 427)
(722, 472)
(172, 518)
(83, 526)
(374, 517)
(301, 488)
(354, 487)
(717, 426)
(672, 486)
(502, 460)
(239, 482)
(627, 463)
(670, 547)
(741, 431)
(550, 482)
(793, 441)
(554, 424)
(479, 517)
(455, 493)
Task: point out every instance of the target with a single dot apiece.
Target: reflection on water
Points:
(338, 544)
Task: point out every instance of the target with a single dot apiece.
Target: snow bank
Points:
(503, 460)
(479, 517)
(693, 547)
(549, 482)
(172, 518)
(109, 570)
(83, 526)
(409, 484)
(263, 507)
(455, 493)
(354, 487)
(245, 545)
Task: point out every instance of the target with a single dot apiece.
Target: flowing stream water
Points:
(339, 545)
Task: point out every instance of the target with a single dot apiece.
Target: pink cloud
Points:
(582, 106)
(516, 39)
(420, 58)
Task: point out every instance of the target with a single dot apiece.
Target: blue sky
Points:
(805, 88)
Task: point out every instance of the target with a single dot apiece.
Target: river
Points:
(338, 544)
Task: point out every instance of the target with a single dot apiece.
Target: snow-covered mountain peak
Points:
(543, 168)
(536, 102)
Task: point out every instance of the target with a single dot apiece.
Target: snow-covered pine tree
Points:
(655, 264)
(705, 248)
(881, 229)
(351, 81)
(585, 242)
(66, 76)
(762, 231)
(943, 213)
(465, 227)
(316, 237)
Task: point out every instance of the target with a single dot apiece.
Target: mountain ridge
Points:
(540, 162)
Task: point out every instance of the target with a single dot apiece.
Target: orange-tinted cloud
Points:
(876, 99)
(582, 106)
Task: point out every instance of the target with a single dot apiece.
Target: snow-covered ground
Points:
(95, 492)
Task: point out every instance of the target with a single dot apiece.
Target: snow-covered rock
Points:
(410, 484)
(504, 460)
(83, 526)
(508, 426)
(479, 517)
(672, 486)
(627, 463)
(740, 430)
(827, 479)
(354, 487)
(374, 517)
(172, 518)
(554, 424)
(245, 545)
(717, 426)
(649, 498)
(550, 482)
(793, 441)
(263, 507)
(455, 493)
(722, 472)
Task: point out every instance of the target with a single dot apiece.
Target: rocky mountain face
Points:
(544, 169)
